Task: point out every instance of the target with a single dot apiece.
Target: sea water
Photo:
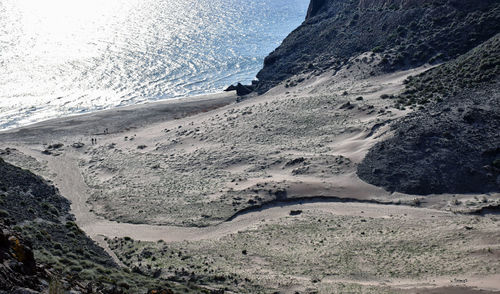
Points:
(63, 57)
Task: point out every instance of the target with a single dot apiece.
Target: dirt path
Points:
(72, 185)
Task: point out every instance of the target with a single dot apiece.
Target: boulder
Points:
(242, 90)
(230, 88)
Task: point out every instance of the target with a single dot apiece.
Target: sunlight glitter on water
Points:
(62, 57)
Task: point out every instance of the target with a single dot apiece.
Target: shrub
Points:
(76, 268)
(123, 284)
(4, 213)
(88, 274)
(55, 287)
(496, 163)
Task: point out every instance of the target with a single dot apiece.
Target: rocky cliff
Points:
(407, 32)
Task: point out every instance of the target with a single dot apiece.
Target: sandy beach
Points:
(199, 172)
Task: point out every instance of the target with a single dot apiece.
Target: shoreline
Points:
(118, 119)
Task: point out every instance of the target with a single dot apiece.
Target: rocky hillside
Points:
(476, 69)
(406, 32)
(452, 144)
(42, 249)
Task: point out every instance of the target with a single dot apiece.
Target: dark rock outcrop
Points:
(314, 7)
(443, 150)
(17, 264)
(452, 145)
(242, 90)
(406, 32)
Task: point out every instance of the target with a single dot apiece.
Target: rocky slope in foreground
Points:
(408, 33)
(42, 249)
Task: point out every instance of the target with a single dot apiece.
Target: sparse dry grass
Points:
(201, 174)
(322, 251)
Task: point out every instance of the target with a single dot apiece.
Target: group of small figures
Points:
(94, 140)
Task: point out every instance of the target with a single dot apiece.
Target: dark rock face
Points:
(447, 148)
(241, 90)
(452, 145)
(17, 264)
(25, 197)
(314, 7)
(407, 32)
